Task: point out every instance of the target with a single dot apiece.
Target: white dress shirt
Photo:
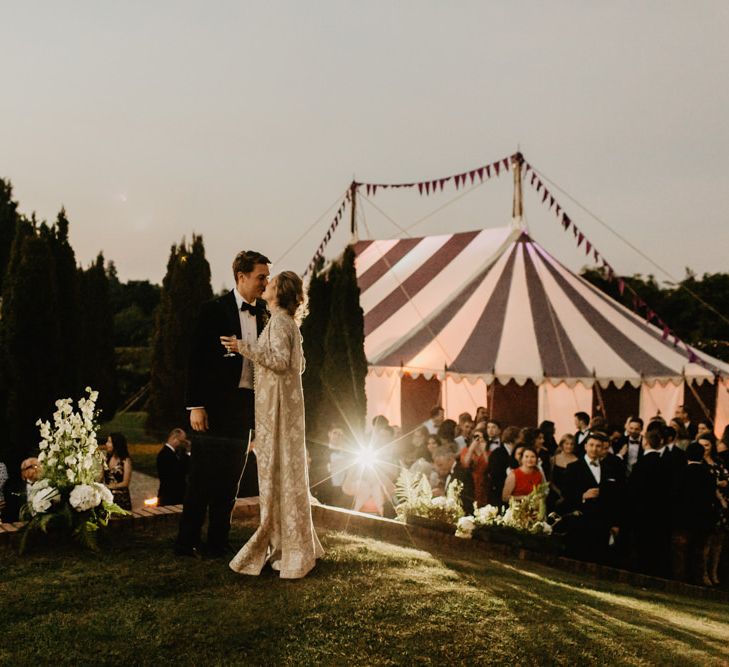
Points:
(249, 333)
(594, 469)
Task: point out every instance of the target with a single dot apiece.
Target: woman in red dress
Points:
(521, 481)
(476, 458)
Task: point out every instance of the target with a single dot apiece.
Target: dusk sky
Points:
(241, 121)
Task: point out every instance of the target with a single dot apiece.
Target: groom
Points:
(219, 398)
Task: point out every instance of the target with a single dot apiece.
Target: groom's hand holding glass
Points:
(230, 343)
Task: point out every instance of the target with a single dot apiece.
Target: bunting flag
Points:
(640, 307)
(483, 172)
(330, 231)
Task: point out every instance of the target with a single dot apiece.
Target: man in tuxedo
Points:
(682, 415)
(648, 507)
(501, 460)
(630, 446)
(582, 424)
(593, 488)
(220, 401)
(493, 434)
(172, 466)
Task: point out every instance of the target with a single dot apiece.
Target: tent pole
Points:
(517, 212)
(353, 220)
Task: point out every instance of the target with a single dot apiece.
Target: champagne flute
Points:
(230, 354)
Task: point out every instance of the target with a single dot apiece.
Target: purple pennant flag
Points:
(369, 189)
(506, 163)
(649, 315)
(472, 175)
(588, 247)
(328, 236)
(427, 188)
(496, 168)
(539, 185)
(480, 173)
(420, 188)
(691, 355)
(580, 239)
(534, 176)
(545, 195)
(675, 340)
(457, 180)
(527, 167)
(488, 171)
(443, 181)
(566, 221)
(551, 202)
(557, 210)
(575, 231)
(374, 189)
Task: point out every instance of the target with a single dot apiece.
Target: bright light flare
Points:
(151, 502)
(366, 457)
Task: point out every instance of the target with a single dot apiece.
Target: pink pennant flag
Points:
(480, 173)
(580, 239)
(496, 166)
(328, 236)
(588, 247)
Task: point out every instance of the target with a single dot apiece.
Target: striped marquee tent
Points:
(490, 318)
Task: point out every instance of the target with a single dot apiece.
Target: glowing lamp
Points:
(151, 502)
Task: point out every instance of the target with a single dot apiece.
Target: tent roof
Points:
(493, 304)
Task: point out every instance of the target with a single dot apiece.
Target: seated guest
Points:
(721, 485)
(630, 447)
(476, 459)
(501, 460)
(437, 415)
(493, 434)
(16, 488)
(589, 489)
(172, 465)
(648, 507)
(548, 430)
(118, 472)
(447, 435)
(695, 518)
(446, 469)
(582, 424)
(521, 481)
(465, 428)
(564, 456)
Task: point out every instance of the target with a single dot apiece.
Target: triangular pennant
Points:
(534, 176)
(496, 168)
(472, 175)
(588, 247)
(557, 210)
(580, 239)
(540, 185)
(551, 202)
(488, 171)
(443, 181)
(480, 173)
(545, 195)
(369, 189)
(457, 180)
(566, 221)
(427, 188)
(597, 255)
(506, 163)
(374, 189)
(527, 167)
(420, 188)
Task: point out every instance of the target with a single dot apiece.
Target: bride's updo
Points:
(289, 292)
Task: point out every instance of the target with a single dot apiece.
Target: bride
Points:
(286, 536)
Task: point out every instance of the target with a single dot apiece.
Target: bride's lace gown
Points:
(286, 535)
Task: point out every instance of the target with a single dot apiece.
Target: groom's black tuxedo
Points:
(218, 455)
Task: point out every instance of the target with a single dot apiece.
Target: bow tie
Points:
(634, 442)
(595, 463)
(246, 307)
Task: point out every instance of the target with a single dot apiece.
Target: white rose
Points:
(84, 497)
(106, 495)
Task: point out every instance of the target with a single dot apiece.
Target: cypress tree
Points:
(345, 364)
(314, 331)
(8, 222)
(30, 345)
(186, 286)
(96, 366)
(66, 279)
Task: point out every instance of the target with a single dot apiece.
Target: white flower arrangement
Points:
(68, 491)
(414, 497)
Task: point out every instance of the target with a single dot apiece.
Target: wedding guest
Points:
(695, 518)
(118, 472)
(717, 537)
(16, 488)
(630, 446)
(465, 429)
(446, 469)
(493, 434)
(648, 505)
(582, 424)
(521, 481)
(548, 430)
(482, 414)
(682, 436)
(682, 416)
(722, 448)
(533, 437)
(432, 445)
(591, 491)
(476, 459)
(447, 435)
(172, 465)
(501, 460)
(437, 415)
(3, 481)
(419, 441)
(564, 456)
(702, 428)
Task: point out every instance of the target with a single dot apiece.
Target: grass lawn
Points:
(368, 602)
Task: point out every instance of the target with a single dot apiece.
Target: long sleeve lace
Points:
(273, 349)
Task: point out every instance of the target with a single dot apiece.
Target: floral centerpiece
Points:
(414, 498)
(524, 522)
(67, 492)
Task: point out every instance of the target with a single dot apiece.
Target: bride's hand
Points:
(230, 343)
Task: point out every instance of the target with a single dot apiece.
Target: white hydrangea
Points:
(85, 497)
(106, 495)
